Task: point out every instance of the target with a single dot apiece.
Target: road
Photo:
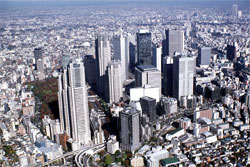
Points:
(83, 157)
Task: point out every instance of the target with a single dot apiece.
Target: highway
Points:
(83, 156)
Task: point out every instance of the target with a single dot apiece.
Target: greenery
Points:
(117, 153)
(108, 159)
(8, 150)
(46, 91)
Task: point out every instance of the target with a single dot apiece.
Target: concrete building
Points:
(204, 54)
(130, 129)
(147, 75)
(148, 106)
(114, 81)
(169, 105)
(137, 93)
(184, 73)
(119, 48)
(156, 58)
(103, 56)
(234, 10)
(144, 48)
(174, 42)
(112, 145)
(73, 103)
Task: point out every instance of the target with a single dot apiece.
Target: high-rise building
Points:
(231, 52)
(234, 10)
(130, 129)
(184, 73)
(73, 103)
(204, 55)
(119, 48)
(174, 42)
(38, 54)
(103, 56)
(65, 59)
(131, 50)
(147, 75)
(90, 69)
(148, 106)
(156, 58)
(168, 76)
(144, 48)
(114, 81)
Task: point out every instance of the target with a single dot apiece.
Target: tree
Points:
(117, 160)
(108, 159)
(117, 153)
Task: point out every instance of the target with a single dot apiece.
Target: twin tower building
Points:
(111, 72)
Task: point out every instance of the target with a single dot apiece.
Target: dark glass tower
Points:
(144, 48)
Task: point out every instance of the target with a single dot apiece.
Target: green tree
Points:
(108, 159)
(117, 153)
(117, 160)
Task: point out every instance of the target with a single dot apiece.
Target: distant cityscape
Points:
(124, 83)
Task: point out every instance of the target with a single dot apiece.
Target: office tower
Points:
(131, 50)
(73, 103)
(240, 13)
(148, 106)
(204, 55)
(147, 75)
(234, 10)
(168, 76)
(130, 129)
(65, 60)
(156, 59)
(90, 69)
(144, 48)
(103, 56)
(184, 73)
(114, 81)
(38, 54)
(231, 52)
(119, 48)
(174, 42)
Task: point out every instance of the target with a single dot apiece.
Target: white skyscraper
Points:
(114, 81)
(73, 103)
(103, 56)
(157, 51)
(183, 76)
(120, 54)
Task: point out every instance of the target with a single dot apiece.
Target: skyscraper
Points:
(184, 73)
(148, 106)
(204, 55)
(120, 54)
(130, 129)
(144, 48)
(234, 10)
(38, 54)
(90, 69)
(114, 81)
(103, 56)
(147, 75)
(156, 59)
(73, 103)
(231, 52)
(168, 76)
(174, 42)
